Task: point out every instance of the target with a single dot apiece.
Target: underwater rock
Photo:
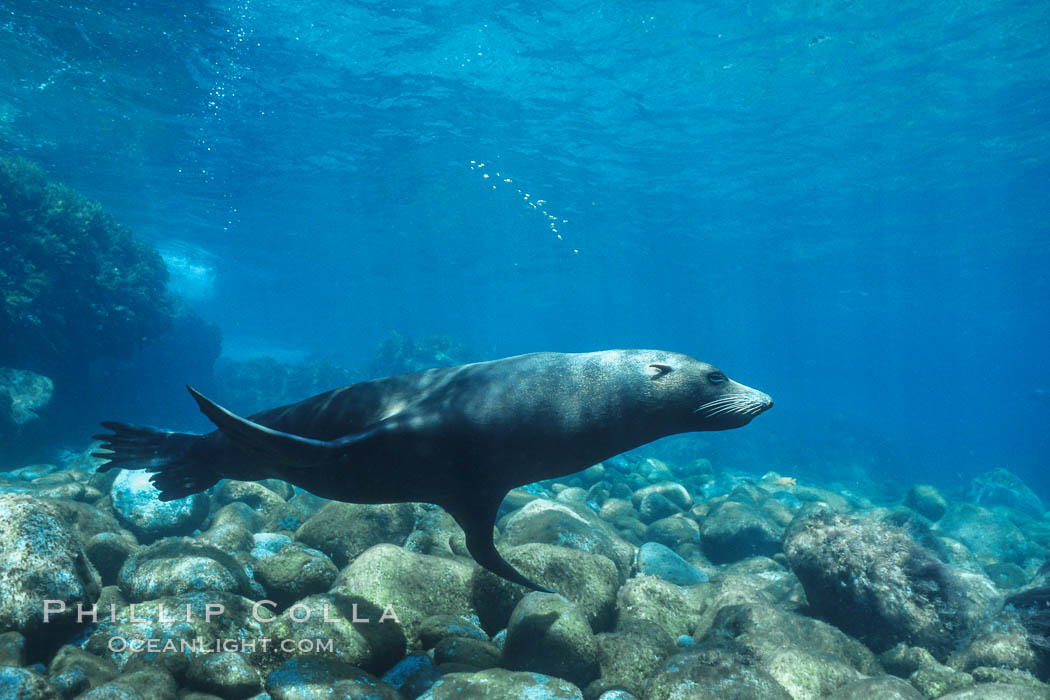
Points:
(807, 657)
(902, 660)
(72, 668)
(675, 532)
(360, 634)
(1001, 641)
(40, 559)
(998, 691)
(672, 492)
(880, 688)
(1000, 487)
(269, 505)
(401, 354)
(615, 508)
(712, 673)
(12, 649)
(439, 534)
(345, 530)
(738, 530)
(325, 678)
(184, 618)
(67, 265)
(413, 675)
(1006, 576)
(108, 551)
(175, 566)
(655, 559)
(674, 609)
(464, 651)
(155, 684)
(588, 580)
(847, 564)
(19, 683)
(438, 627)
(22, 394)
(293, 572)
(568, 525)
(937, 680)
(628, 657)
(927, 501)
(136, 504)
(226, 674)
(991, 537)
(549, 635)
(500, 684)
(419, 586)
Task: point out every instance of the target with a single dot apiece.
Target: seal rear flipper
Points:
(477, 523)
(275, 445)
(180, 470)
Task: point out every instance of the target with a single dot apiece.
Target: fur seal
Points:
(459, 437)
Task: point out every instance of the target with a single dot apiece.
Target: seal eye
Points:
(717, 378)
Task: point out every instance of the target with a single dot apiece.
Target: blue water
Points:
(843, 204)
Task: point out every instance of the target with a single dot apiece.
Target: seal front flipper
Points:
(477, 520)
(277, 446)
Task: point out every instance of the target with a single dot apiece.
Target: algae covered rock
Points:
(568, 525)
(320, 678)
(294, 572)
(989, 535)
(22, 394)
(189, 621)
(437, 627)
(40, 559)
(68, 265)
(655, 559)
(712, 673)
(589, 580)
(418, 586)
(847, 564)
(629, 656)
(549, 635)
(807, 657)
(737, 531)
(226, 674)
(880, 688)
(19, 683)
(175, 566)
(344, 530)
(1000, 487)
(155, 684)
(360, 633)
(927, 501)
(500, 684)
(677, 610)
(136, 503)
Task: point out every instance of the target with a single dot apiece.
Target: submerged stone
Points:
(847, 564)
(136, 503)
(41, 559)
(655, 559)
(549, 635)
(1000, 487)
(500, 684)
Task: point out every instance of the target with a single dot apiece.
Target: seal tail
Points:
(178, 470)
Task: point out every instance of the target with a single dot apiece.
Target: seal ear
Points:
(657, 370)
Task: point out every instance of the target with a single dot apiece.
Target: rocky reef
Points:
(672, 583)
(402, 354)
(73, 281)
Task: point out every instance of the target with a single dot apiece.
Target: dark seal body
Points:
(460, 437)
